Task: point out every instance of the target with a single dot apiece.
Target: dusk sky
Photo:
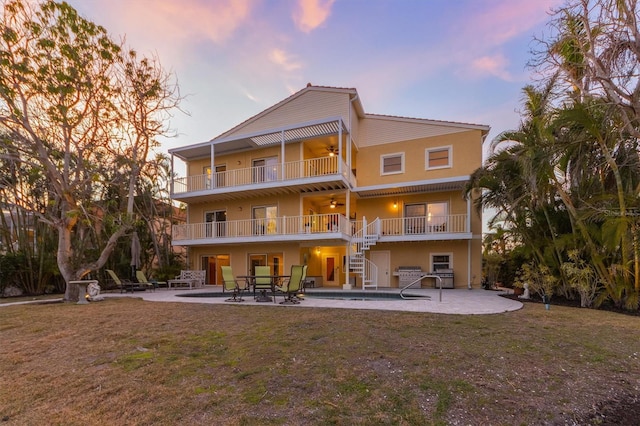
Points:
(456, 60)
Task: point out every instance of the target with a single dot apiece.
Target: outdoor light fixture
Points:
(395, 204)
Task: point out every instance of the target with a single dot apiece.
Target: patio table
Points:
(262, 297)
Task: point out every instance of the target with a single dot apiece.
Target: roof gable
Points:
(312, 103)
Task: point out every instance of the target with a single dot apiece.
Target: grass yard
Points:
(130, 362)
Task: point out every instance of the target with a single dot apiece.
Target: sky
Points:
(452, 60)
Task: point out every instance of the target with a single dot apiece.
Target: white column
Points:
(468, 221)
(340, 146)
(469, 264)
(172, 174)
(282, 156)
(213, 168)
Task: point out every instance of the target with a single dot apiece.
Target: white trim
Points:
(454, 179)
(432, 254)
(394, 155)
(454, 124)
(469, 264)
(427, 151)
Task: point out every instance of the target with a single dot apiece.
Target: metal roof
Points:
(418, 187)
(288, 134)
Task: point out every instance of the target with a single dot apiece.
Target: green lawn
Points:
(126, 361)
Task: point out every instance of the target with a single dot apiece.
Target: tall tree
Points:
(78, 110)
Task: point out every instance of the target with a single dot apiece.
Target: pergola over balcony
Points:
(322, 173)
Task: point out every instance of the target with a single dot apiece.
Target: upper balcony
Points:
(322, 162)
(315, 174)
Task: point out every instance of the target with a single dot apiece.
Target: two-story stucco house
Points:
(316, 180)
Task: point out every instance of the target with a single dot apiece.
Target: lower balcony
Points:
(445, 227)
(320, 227)
(285, 228)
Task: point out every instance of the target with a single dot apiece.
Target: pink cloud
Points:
(495, 65)
(483, 35)
(502, 20)
(212, 20)
(284, 60)
(310, 14)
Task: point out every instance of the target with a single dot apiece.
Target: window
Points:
(266, 259)
(265, 169)
(392, 164)
(441, 261)
(265, 220)
(215, 223)
(437, 217)
(207, 179)
(219, 175)
(420, 218)
(414, 218)
(438, 158)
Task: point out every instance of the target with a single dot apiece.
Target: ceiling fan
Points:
(332, 151)
(333, 203)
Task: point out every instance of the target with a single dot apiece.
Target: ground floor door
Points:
(382, 260)
(212, 267)
(330, 270)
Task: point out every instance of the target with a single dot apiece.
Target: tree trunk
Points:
(64, 262)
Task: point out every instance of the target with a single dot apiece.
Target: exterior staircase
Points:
(362, 241)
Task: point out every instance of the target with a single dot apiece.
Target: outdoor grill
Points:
(446, 275)
(408, 274)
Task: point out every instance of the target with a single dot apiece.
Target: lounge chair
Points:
(124, 284)
(151, 284)
(294, 285)
(232, 284)
(263, 282)
(304, 278)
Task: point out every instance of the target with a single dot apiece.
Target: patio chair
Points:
(124, 284)
(263, 281)
(304, 278)
(291, 288)
(232, 284)
(152, 284)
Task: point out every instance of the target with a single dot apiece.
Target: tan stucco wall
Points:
(288, 205)
(239, 255)
(466, 153)
(419, 254)
(383, 207)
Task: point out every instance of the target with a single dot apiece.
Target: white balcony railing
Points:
(446, 224)
(286, 225)
(292, 170)
(318, 225)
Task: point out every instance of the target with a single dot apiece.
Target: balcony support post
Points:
(172, 174)
(213, 168)
(340, 146)
(281, 177)
(468, 220)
